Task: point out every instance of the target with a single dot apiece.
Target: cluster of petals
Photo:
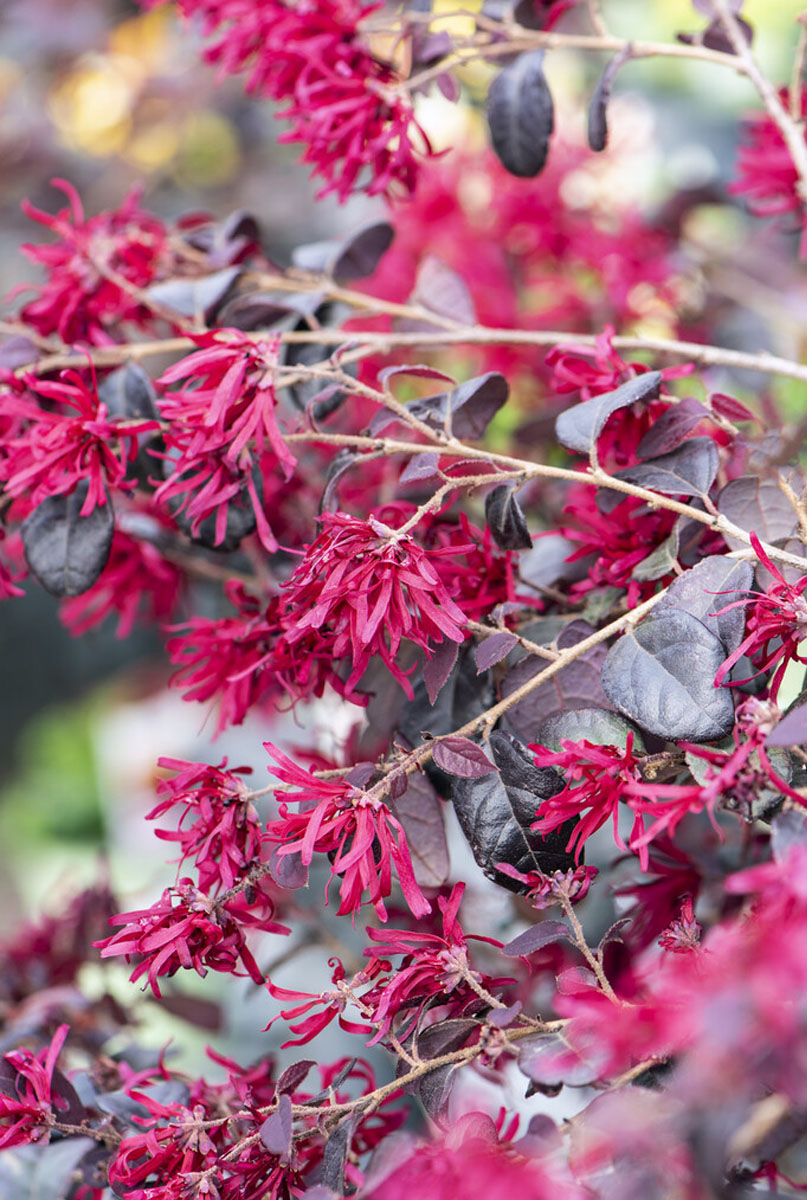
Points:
(67, 440)
(766, 175)
(356, 829)
(218, 826)
(137, 581)
(94, 269)
(221, 426)
(338, 96)
(186, 929)
(362, 588)
(776, 625)
(27, 1109)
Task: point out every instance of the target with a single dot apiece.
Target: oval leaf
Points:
(360, 254)
(460, 756)
(65, 551)
(521, 115)
(495, 812)
(506, 520)
(540, 935)
(759, 505)
(709, 586)
(474, 404)
(494, 649)
(598, 108)
(690, 470)
(419, 811)
(275, 1133)
(595, 725)
(661, 675)
(579, 426)
(672, 427)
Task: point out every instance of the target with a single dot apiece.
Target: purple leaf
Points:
(438, 668)
(521, 115)
(419, 811)
(791, 730)
(575, 981)
(65, 551)
(579, 426)
(288, 869)
(496, 811)
(449, 87)
(474, 404)
(661, 675)
(441, 290)
(460, 756)
(598, 108)
(709, 586)
(275, 1132)
(17, 351)
(756, 505)
(690, 470)
(417, 369)
(576, 686)
(599, 726)
(360, 253)
(728, 406)
(672, 427)
(420, 468)
(500, 1018)
(192, 297)
(540, 935)
(493, 650)
(506, 520)
(335, 1154)
(290, 1080)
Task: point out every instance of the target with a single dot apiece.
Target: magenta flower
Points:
(684, 934)
(594, 371)
(69, 441)
(218, 826)
(28, 1111)
(363, 588)
(545, 890)
(606, 775)
(775, 627)
(85, 296)
(339, 98)
(331, 1005)
(136, 581)
(354, 827)
(184, 928)
(766, 173)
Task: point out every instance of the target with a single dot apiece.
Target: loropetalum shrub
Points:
(552, 567)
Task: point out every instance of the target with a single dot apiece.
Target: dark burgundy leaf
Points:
(493, 649)
(715, 37)
(415, 369)
(196, 297)
(261, 310)
(337, 1081)
(756, 505)
(495, 812)
(129, 393)
(506, 520)
(465, 696)
(420, 468)
(672, 427)
(595, 725)
(661, 675)
(598, 108)
(614, 932)
(690, 470)
(434, 1090)
(360, 254)
(439, 289)
(288, 870)
(788, 829)
(205, 1014)
(290, 1079)
(709, 586)
(329, 315)
(500, 1018)
(474, 404)
(521, 115)
(579, 426)
(276, 1130)
(449, 86)
(17, 351)
(335, 1154)
(550, 1063)
(418, 809)
(462, 757)
(791, 730)
(337, 467)
(428, 47)
(438, 668)
(576, 686)
(65, 551)
(540, 935)
(444, 1037)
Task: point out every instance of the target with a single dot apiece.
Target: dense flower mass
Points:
(353, 826)
(95, 270)
(341, 100)
(362, 588)
(28, 1105)
(766, 175)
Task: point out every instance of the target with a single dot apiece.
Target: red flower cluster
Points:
(136, 581)
(766, 173)
(218, 827)
(69, 442)
(775, 628)
(185, 928)
(94, 270)
(362, 588)
(221, 428)
(27, 1111)
(339, 97)
(359, 832)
